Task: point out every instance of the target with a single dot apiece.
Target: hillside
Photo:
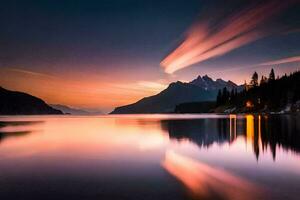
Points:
(200, 89)
(19, 103)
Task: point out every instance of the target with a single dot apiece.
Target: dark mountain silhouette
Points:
(166, 100)
(69, 110)
(200, 89)
(19, 103)
(208, 83)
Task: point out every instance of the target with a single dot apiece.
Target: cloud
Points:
(208, 39)
(153, 86)
(142, 86)
(32, 73)
(282, 61)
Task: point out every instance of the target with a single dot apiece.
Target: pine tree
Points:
(235, 92)
(254, 81)
(225, 95)
(232, 96)
(272, 75)
(219, 98)
(271, 95)
(263, 80)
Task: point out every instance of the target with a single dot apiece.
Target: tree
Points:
(272, 75)
(263, 80)
(254, 80)
(232, 96)
(225, 95)
(246, 86)
(219, 98)
(273, 95)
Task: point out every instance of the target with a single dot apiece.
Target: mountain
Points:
(19, 103)
(68, 110)
(200, 89)
(208, 83)
(166, 100)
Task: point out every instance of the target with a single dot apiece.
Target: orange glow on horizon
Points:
(84, 137)
(75, 92)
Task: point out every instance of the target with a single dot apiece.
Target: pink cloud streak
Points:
(202, 43)
(282, 61)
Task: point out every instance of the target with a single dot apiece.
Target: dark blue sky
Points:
(91, 32)
(120, 33)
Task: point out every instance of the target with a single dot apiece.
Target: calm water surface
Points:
(150, 157)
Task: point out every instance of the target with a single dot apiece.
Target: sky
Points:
(99, 54)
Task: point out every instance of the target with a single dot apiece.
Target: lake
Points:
(150, 157)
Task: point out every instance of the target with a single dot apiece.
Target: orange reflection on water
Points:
(259, 131)
(253, 133)
(204, 181)
(250, 128)
(85, 137)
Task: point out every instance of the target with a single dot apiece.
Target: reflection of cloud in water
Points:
(204, 181)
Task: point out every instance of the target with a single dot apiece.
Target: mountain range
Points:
(69, 110)
(19, 103)
(208, 83)
(200, 89)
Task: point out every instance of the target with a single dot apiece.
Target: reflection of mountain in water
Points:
(16, 132)
(261, 131)
(204, 132)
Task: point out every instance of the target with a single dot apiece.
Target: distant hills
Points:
(19, 103)
(200, 89)
(69, 110)
(74, 111)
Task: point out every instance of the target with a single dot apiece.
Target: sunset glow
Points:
(150, 100)
(89, 61)
(86, 93)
